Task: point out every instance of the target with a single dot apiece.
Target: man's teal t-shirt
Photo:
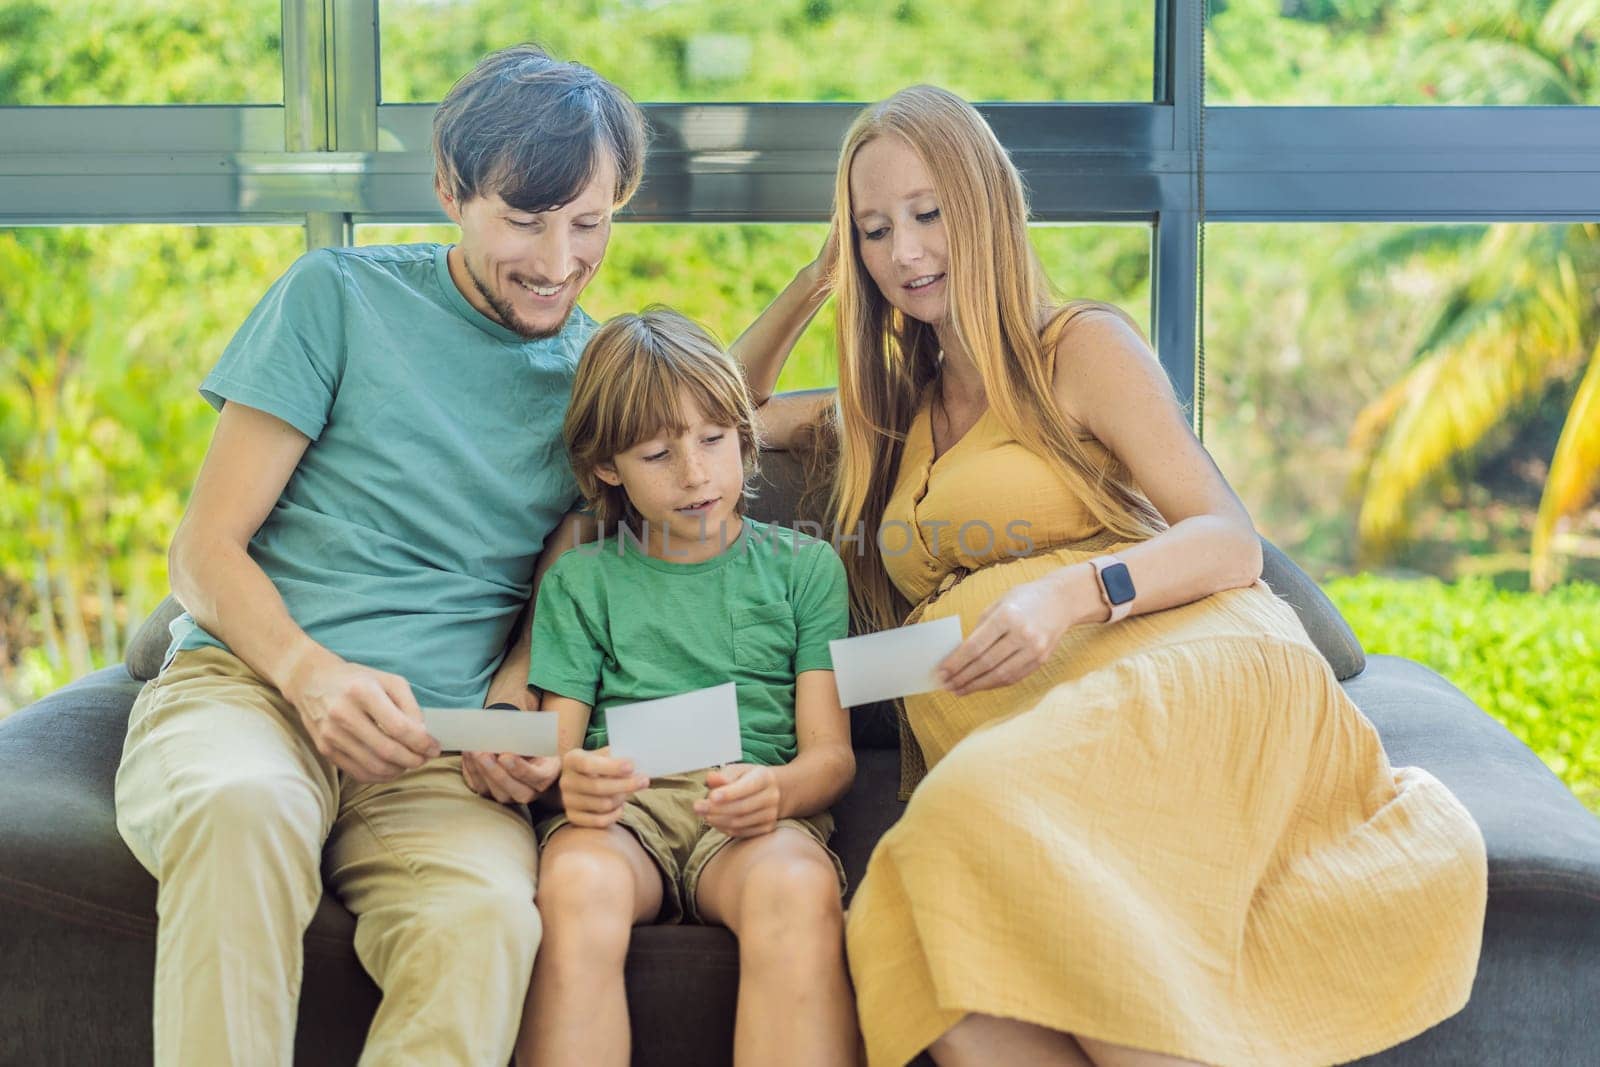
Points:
(613, 625)
(406, 538)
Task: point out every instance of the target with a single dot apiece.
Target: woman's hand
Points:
(1018, 632)
(595, 786)
(744, 800)
(508, 778)
(819, 272)
(766, 343)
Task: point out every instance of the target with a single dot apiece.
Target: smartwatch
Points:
(1116, 585)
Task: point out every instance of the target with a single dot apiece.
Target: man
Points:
(386, 467)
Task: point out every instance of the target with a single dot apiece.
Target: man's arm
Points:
(506, 777)
(510, 682)
(365, 721)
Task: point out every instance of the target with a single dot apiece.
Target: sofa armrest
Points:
(1540, 838)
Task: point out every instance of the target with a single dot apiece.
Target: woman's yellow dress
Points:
(1178, 834)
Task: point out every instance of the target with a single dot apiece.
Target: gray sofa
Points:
(77, 912)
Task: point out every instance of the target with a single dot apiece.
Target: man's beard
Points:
(507, 314)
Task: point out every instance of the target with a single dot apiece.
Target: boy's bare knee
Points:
(588, 892)
(793, 899)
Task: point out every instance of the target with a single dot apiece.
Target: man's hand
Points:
(595, 786)
(744, 800)
(508, 778)
(365, 721)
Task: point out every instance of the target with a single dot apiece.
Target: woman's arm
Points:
(764, 346)
(747, 800)
(1108, 383)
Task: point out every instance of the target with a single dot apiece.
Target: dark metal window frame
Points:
(334, 156)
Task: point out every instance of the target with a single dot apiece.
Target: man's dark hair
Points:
(534, 130)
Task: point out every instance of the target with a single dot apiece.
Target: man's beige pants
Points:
(223, 797)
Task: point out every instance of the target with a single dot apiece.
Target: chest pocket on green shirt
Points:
(763, 637)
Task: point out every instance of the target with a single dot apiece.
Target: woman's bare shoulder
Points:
(1095, 351)
(1088, 326)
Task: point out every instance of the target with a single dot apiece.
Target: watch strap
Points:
(1118, 611)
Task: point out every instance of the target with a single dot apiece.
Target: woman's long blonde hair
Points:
(1001, 309)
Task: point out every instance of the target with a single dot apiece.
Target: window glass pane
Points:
(723, 275)
(734, 50)
(106, 335)
(141, 52)
(1402, 52)
(1387, 400)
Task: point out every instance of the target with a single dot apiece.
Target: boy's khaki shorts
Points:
(681, 843)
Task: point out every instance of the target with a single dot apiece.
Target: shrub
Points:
(1531, 661)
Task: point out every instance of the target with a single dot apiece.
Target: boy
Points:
(683, 593)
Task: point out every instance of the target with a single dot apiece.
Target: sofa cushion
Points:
(1537, 976)
(150, 641)
(1539, 836)
(1325, 626)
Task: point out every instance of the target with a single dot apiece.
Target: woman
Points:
(1154, 828)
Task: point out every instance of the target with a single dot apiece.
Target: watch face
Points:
(1118, 583)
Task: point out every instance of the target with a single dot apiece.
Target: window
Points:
(1394, 393)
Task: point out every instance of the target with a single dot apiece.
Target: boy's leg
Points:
(222, 796)
(594, 887)
(441, 881)
(779, 894)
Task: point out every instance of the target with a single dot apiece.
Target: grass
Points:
(1531, 661)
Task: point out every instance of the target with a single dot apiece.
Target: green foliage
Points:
(1531, 661)
(103, 336)
(1405, 52)
(733, 50)
(140, 52)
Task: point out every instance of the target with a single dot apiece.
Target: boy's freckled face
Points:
(687, 484)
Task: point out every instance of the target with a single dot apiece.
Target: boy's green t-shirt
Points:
(613, 626)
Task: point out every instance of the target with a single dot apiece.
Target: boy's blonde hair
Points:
(629, 388)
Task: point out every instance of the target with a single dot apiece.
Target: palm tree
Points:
(1522, 314)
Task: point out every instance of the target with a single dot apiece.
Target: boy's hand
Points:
(595, 786)
(507, 778)
(744, 800)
